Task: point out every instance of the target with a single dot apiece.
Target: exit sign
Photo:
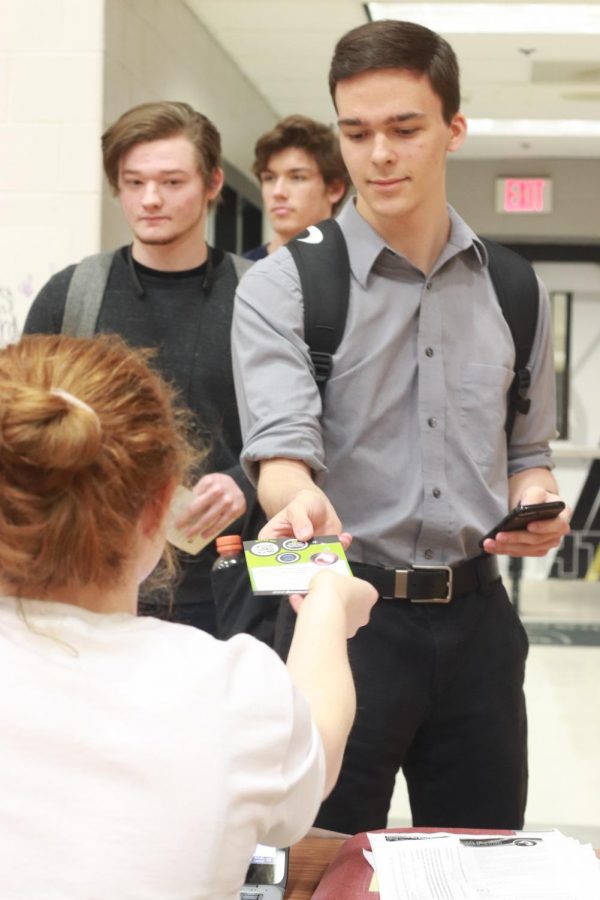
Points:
(523, 195)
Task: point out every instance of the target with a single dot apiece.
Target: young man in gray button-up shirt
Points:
(409, 453)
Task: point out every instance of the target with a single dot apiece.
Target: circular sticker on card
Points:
(293, 544)
(288, 557)
(264, 548)
(324, 558)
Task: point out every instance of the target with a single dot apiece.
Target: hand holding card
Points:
(177, 536)
(286, 565)
(356, 596)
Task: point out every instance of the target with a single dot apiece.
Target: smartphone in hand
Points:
(520, 516)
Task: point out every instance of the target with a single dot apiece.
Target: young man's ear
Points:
(457, 132)
(335, 190)
(213, 189)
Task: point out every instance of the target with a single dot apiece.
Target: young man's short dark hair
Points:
(317, 139)
(391, 44)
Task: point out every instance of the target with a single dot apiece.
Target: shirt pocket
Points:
(483, 411)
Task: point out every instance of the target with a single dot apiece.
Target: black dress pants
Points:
(440, 695)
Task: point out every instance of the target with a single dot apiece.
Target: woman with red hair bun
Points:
(139, 758)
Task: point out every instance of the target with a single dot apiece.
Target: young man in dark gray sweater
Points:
(168, 290)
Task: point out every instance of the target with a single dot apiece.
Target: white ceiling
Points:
(284, 48)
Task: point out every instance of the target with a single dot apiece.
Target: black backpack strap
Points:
(518, 294)
(321, 257)
(85, 295)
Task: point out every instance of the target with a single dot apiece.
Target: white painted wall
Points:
(583, 282)
(50, 116)
(574, 216)
(68, 68)
(584, 407)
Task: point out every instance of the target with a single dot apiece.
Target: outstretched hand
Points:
(357, 597)
(308, 515)
(218, 501)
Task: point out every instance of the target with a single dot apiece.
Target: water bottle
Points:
(231, 552)
(230, 587)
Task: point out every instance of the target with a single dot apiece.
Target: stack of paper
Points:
(525, 866)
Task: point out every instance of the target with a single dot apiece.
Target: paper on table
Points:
(428, 869)
(373, 884)
(525, 866)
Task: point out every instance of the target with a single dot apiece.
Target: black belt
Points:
(430, 584)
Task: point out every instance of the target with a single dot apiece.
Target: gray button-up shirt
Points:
(410, 447)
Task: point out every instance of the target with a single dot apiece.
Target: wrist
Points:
(324, 602)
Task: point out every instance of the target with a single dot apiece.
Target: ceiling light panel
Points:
(535, 127)
(495, 18)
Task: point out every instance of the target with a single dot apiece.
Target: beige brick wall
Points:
(67, 69)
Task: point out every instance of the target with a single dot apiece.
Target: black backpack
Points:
(324, 270)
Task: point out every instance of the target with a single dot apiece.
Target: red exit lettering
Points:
(524, 195)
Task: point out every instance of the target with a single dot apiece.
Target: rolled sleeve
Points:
(278, 399)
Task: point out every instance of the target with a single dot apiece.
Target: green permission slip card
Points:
(286, 565)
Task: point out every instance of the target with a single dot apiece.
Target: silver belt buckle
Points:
(401, 583)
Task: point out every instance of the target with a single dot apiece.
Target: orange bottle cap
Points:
(229, 542)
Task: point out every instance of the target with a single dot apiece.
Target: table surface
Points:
(308, 860)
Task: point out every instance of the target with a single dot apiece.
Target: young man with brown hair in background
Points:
(302, 177)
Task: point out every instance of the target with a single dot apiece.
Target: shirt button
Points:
(428, 554)
(428, 286)
(432, 422)
(429, 351)
(436, 493)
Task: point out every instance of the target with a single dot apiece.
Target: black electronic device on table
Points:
(266, 877)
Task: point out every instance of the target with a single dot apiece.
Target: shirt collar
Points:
(365, 245)
(462, 237)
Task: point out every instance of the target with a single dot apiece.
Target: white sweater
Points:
(143, 760)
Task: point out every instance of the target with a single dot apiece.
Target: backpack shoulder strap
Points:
(240, 264)
(321, 257)
(518, 295)
(85, 294)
